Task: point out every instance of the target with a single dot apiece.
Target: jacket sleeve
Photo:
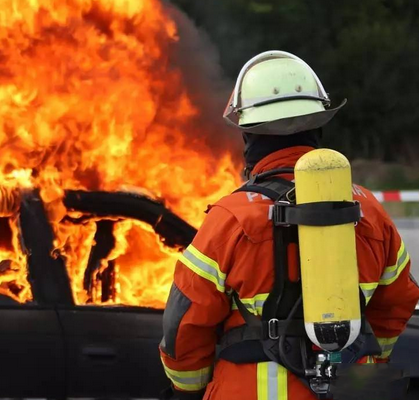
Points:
(198, 302)
(390, 293)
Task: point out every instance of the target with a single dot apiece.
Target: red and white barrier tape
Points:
(397, 196)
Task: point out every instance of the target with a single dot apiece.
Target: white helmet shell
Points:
(278, 93)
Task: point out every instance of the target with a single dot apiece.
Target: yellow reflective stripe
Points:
(387, 345)
(368, 289)
(189, 380)
(262, 381)
(271, 381)
(392, 273)
(203, 266)
(253, 304)
(205, 259)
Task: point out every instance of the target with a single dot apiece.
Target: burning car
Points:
(61, 349)
(96, 98)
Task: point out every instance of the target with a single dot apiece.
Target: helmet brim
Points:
(285, 126)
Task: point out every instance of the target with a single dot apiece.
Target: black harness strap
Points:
(325, 213)
(243, 344)
(284, 292)
(255, 329)
(275, 188)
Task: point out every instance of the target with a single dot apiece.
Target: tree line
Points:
(367, 52)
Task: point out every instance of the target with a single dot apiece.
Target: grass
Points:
(402, 210)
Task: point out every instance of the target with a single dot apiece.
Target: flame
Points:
(90, 99)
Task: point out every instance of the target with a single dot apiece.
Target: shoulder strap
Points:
(270, 184)
(284, 293)
(274, 188)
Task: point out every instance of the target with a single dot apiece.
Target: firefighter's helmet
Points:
(278, 93)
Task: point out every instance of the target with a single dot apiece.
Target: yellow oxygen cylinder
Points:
(329, 271)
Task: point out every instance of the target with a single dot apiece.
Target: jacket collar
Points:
(280, 159)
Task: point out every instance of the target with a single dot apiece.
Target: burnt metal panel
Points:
(104, 242)
(113, 351)
(413, 393)
(406, 350)
(174, 231)
(47, 272)
(31, 353)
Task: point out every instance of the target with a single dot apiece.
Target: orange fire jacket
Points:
(233, 250)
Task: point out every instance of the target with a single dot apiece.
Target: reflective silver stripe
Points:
(392, 273)
(387, 345)
(253, 304)
(189, 380)
(370, 360)
(271, 381)
(368, 290)
(256, 307)
(368, 293)
(203, 266)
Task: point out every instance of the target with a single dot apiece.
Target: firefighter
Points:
(280, 106)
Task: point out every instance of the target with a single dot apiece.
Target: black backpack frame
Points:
(280, 334)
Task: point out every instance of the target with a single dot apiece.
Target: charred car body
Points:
(54, 348)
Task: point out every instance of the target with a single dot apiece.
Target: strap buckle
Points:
(273, 329)
(279, 213)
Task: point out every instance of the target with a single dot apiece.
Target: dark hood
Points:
(258, 147)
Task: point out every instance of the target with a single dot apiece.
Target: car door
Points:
(31, 339)
(31, 352)
(406, 350)
(113, 351)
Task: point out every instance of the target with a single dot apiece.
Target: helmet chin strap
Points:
(247, 171)
(278, 99)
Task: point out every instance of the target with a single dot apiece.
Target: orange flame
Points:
(89, 99)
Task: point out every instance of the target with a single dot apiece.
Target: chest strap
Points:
(325, 213)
